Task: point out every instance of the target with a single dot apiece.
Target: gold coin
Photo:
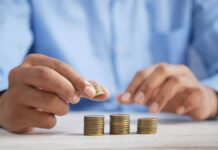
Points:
(99, 89)
(147, 126)
(94, 125)
(119, 124)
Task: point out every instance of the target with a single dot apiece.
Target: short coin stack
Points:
(99, 89)
(94, 125)
(147, 126)
(119, 124)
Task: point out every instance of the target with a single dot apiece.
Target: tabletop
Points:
(174, 132)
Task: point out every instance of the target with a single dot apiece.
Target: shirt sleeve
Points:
(205, 39)
(15, 36)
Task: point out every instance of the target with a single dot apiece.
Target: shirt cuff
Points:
(211, 82)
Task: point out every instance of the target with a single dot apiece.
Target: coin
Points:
(119, 124)
(99, 89)
(147, 126)
(94, 125)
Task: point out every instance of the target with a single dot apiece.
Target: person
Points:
(156, 54)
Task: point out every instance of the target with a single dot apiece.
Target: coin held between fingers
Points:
(99, 90)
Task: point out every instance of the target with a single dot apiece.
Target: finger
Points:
(82, 85)
(49, 80)
(118, 97)
(174, 103)
(45, 101)
(169, 89)
(192, 100)
(122, 100)
(153, 82)
(127, 96)
(40, 119)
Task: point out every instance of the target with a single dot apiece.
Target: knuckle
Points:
(196, 90)
(29, 59)
(31, 56)
(140, 74)
(175, 79)
(50, 122)
(13, 73)
(184, 68)
(59, 66)
(162, 67)
(45, 73)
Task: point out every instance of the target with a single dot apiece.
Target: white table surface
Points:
(174, 132)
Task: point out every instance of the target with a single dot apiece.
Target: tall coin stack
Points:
(119, 124)
(94, 125)
(147, 126)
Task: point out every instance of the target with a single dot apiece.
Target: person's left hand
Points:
(171, 88)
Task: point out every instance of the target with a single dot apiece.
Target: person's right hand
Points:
(40, 88)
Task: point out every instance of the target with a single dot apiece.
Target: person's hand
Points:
(171, 88)
(40, 88)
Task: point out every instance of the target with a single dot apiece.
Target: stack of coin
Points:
(119, 124)
(147, 126)
(94, 125)
(99, 89)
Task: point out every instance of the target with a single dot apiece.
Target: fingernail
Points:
(125, 97)
(180, 110)
(89, 91)
(139, 97)
(154, 107)
(75, 99)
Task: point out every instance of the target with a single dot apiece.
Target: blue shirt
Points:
(110, 40)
